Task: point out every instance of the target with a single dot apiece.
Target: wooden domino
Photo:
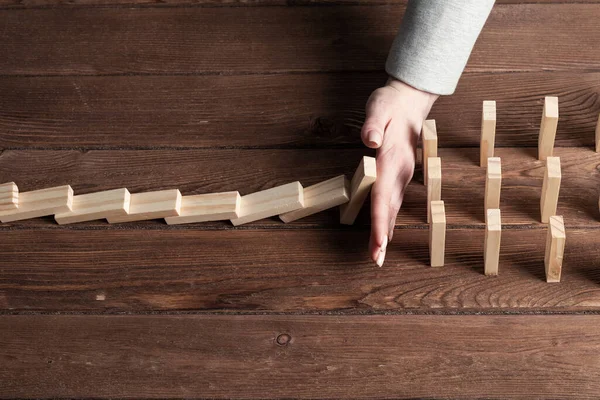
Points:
(493, 231)
(550, 188)
(555, 248)
(548, 128)
(39, 203)
(320, 197)
(493, 183)
(488, 131)
(437, 234)
(207, 207)
(92, 206)
(434, 183)
(270, 202)
(598, 135)
(430, 144)
(9, 198)
(363, 179)
(150, 205)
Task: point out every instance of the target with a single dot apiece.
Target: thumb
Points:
(377, 118)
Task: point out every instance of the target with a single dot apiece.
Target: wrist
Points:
(420, 101)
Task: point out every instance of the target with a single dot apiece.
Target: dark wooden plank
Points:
(327, 357)
(306, 110)
(275, 39)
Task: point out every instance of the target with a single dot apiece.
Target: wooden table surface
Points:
(208, 96)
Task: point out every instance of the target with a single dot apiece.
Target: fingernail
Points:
(374, 138)
(391, 235)
(381, 256)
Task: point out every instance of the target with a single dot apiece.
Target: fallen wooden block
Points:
(150, 205)
(270, 202)
(493, 183)
(488, 132)
(437, 234)
(9, 198)
(430, 144)
(92, 206)
(550, 188)
(207, 207)
(320, 197)
(434, 183)
(598, 135)
(493, 232)
(39, 203)
(363, 179)
(548, 128)
(555, 249)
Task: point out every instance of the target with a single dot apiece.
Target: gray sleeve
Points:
(435, 41)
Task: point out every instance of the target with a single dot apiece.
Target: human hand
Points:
(394, 116)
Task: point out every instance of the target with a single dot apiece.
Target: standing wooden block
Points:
(598, 135)
(430, 144)
(550, 188)
(493, 231)
(434, 183)
(270, 202)
(488, 131)
(151, 205)
(9, 198)
(493, 183)
(555, 249)
(548, 128)
(437, 234)
(363, 179)
(207, 207)
(92, 206)
(39, 203)
(322, 196)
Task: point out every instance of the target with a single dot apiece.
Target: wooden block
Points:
(493, 232)
(322, 196)
(88, 207)
(434, 183)
(9, 198)
(39, 203)
(550, 188)
(150, 205)
(207, 207)
(555, 248)
(488, 131)
(430, 144)
(437, 234)
(493, 183)
(363, 179)
(270, 202)
(548, 128)
(598, 135)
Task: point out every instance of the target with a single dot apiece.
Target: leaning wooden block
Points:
(322, 196)
(550, 188)
(434, 183)
(270, 202)
(493, 183)
(151, 205)
(207, 207)
(493, 231)
(430, 144)
(363, 179)
(9, 198)
(92, 206)
(598, 135)
(39, 203)
(488, 132)
(437, 234)
(548, 128)
(555, 249)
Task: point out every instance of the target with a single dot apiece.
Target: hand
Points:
(394, 116)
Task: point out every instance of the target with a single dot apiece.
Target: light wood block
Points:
(430, 144)
(270, 202)
(598, 135)
(9, 198)
(207, 207)
(363, 179)
(488, 131)
(555, 248)
(320, 197)
(150, 205)
(493, 183)
(92, 206)
(40, 203)
(550, 188)
(437, 234)
(434, 183)
(548, 128)
(493, 232)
